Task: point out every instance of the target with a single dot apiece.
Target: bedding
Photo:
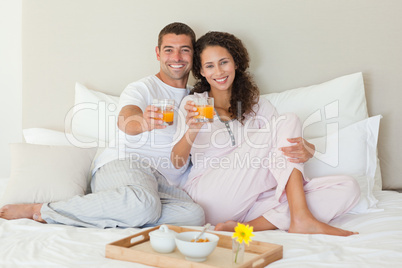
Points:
(26, 243)
(342, 103)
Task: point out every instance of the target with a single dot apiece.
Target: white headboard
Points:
(107, 44)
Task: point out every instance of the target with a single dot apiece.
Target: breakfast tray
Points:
(137, 248)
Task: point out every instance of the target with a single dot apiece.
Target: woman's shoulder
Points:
(264, 107)
(263, 103)
(186, 99)
(192, 96)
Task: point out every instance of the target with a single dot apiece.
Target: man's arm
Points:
(133, 121)
(301, 152)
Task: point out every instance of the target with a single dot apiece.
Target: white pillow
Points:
(377, 176)
(94, 115)
(340, 100)
(327, 107)
(3, 185)
(41, 173)
(352, 151)
(43, 136)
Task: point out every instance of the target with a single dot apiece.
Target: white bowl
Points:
(196, 251)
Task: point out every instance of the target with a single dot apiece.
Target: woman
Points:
(239, 173)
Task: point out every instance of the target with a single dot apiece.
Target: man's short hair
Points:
(176, 28)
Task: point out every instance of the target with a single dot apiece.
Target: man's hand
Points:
(153, 118)
(133, 121)
(301, 152)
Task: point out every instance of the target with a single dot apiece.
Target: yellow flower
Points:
(243, 233)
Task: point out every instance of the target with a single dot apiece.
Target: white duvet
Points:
(25, 243)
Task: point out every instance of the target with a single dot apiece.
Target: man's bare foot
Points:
(20, 211)
(228, 226)
(313, 226)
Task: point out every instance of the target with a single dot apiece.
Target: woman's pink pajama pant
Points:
(251, 182)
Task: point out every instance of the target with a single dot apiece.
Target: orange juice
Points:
(168, 117)
(166, 108)
(205, 113)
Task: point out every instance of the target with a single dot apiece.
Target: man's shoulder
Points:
(142, 86)
(153, 82)
(153, 87)
(145, 81)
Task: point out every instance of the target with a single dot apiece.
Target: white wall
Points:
(10, 80)
(107, 44)
(291, 44)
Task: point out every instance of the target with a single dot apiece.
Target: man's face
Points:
(176, 58)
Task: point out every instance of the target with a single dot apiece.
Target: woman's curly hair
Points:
(245, 92)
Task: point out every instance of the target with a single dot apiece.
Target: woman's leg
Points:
(301, 219)
(295, 215)
(259, 224)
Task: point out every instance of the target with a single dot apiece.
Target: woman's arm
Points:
(181, 151)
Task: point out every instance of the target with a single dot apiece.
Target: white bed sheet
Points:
(25, 243)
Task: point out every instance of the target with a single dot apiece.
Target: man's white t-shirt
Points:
(151, 147)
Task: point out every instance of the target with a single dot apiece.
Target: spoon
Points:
(202, 232)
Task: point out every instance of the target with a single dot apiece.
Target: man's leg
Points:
(177, 206)
(123, 196)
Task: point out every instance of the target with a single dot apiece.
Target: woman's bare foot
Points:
(313, 226)
(20, 211)
(228, 226)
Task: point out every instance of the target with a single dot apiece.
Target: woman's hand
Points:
(191, 113)
(301, 152)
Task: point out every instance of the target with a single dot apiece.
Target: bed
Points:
(70, 112)
(347, 145)
(25, 243)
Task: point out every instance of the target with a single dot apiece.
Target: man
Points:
(129, 186)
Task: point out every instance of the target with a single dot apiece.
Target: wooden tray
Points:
(137, 248)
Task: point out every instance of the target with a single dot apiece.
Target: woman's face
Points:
(218, 67)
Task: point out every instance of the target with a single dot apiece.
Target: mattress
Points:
(26, 243)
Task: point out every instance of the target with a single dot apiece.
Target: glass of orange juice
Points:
(166, 107)
(205, 109)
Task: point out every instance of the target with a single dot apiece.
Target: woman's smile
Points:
(222, 80)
